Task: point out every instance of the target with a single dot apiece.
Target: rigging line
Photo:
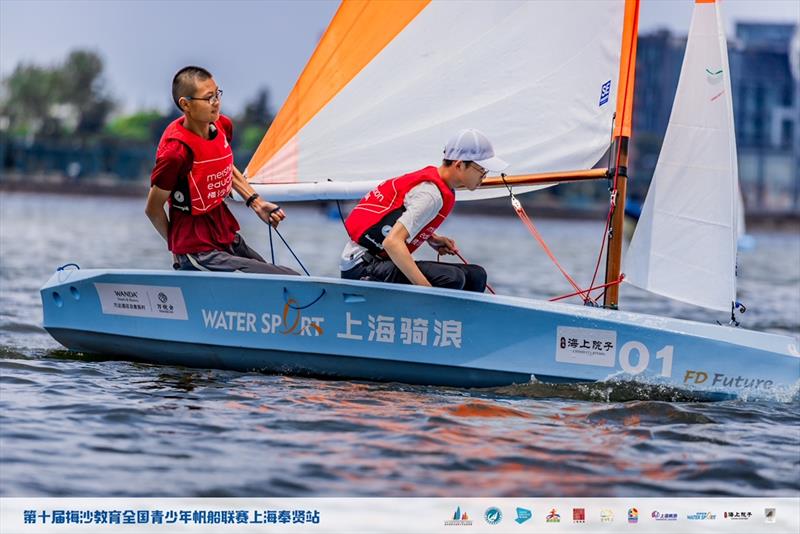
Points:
(604, 241)
(602, 286)
(520, 211)
(300, 263)
(535, 232)
(272, 250)
(611, 204)
(289, 301)
(341, 217)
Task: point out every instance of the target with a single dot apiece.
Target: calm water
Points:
(73, 425)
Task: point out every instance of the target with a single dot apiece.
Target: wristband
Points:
(251, 199)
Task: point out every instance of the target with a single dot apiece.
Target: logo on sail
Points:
(713, 76)
(605, 92)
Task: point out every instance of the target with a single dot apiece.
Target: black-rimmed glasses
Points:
(213, 99)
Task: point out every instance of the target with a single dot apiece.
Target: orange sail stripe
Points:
(704, 1)
(358, 32)
(627, 70)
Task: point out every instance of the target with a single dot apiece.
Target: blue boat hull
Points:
(282, 362)
(359, 330)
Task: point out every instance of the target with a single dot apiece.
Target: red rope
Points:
(491, 290)
(611, 207)
(615, 282)
(532, 229)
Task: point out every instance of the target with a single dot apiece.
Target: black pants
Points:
(439, 274)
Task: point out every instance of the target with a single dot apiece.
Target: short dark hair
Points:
(449, 162)
(185, 82)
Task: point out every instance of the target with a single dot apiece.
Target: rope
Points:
(64, 267)
(520, 211)
(533, 230)
(612, 204)
(341, 217)
(289, 301)
(602, 286)
(272, 250)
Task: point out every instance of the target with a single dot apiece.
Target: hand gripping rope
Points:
(438, 255)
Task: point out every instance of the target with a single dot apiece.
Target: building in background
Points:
(766, 107)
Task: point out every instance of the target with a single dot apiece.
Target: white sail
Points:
(684, 246)
(540, 78)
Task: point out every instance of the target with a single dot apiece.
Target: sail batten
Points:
(684, 246)
(539, 78)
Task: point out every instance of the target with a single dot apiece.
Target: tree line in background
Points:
(70, 103)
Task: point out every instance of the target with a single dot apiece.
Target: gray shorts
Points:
(239, 258)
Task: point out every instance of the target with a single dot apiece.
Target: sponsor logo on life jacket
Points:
(369, 238)
(219, 180)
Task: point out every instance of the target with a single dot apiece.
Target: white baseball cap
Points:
(472, 145)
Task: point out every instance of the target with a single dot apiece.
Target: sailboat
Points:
(551, 83)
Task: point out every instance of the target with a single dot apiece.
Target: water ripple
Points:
(84, 425)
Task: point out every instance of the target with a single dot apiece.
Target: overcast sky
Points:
(247, 44)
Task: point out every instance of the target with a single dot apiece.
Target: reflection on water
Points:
(87, 425)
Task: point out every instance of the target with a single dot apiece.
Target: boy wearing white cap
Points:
(395, 218)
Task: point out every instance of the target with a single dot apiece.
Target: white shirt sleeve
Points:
(423, 202)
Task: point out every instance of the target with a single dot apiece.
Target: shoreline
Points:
(543, 209)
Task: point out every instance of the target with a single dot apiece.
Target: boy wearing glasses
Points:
(194, 173)
(394, 219)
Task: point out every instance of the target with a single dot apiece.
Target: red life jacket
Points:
(211, 177)
(375, 214)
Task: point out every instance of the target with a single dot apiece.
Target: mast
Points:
(622, 134)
